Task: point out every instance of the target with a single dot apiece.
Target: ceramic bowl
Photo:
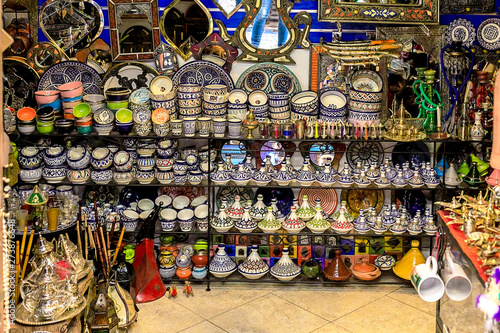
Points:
(277, 99)
(31, 175)
(122, 161)
(123, 177)
(257, 97)
(103, 129)
(54, 175)
(54, 156)
(26, 129)
(124, 116)
(163, 97)
(163, 200)
(333, 101)
(45, 113)
(43, 97)
(259, 109)
(64, 126)
(101, 177)
(117, 94)
(104, 116)
(29, 157)
(161, 84)
(117, 105)
(180, 202)
(129, 215)
(71, 89)
(84, 129)
(365, 96)
(366, 80)
(365, 106)
(124, 128)
(45, 129)
(164, 164)
(238, 96)
(163, 103)
(26, 114)
(188, 87)
(165, 176)
(94, 99)
(78, 158)
(81, 110)
(79, 176)
(101, 158)
(305, 102)
(160, 116)
(190, 112)
(143, 130)
(139, 96)
(188, 95)
(145, 177)
(168, 214)
(188, 103)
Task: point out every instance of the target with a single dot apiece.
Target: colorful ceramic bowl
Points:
(117, 94)
(257, 97)
(82, 110)
(139, 96)
(160, 116)
(117, 105)
(165, 104)
(305, 102)
(46, 96)
(45, 129)
(124, 128)
(71, 105)
(84, 129)
(188, 87)
(160, 85)
(71, 89)
(124, 116)
(26, 114)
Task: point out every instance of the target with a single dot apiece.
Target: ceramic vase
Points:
(477, 131)
(254, 267)
(285, 269)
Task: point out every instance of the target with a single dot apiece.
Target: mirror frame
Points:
(32, 7)
(216, 40)
(425, 13)
(223, 11)
(188, 54)
(298, 37)
(113, 29)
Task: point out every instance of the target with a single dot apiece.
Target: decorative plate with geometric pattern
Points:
(69, 71)
(269, 77)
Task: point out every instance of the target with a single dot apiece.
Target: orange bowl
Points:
(26, 114)
(88, 123)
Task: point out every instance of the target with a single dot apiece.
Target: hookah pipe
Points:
(453, 91)
(494, 177)
(416, 90)
(427, 103)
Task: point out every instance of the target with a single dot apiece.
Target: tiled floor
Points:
(269, 308)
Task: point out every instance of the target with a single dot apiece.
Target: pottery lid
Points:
(364, 266)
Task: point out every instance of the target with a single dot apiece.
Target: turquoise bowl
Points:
(84, 129)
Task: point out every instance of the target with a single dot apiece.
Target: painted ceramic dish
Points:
(328, 197)
(132, 75)
(269, 77)
(71, 71)
(385, 262)
(140, 96)
(160, 116)
(20, 81)
(362, 199)
(104, 116)
(366, 152)
(203, 73)
(367, 80)
(161, 84)
(488, 34)
(460, 30)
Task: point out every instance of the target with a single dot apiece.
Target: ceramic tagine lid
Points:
(384, 262)
(221, 265)
(36, 198)
(318, 224)
(293, 224)
(235, 211)
(305, 212)
(341, 224)
(363, 270)
(269, 224)
(221, 222)
(254, 267)
(410, 260)
(336, 269)
(285, 269)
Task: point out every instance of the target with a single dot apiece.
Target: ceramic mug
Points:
(428, 284)
(204, 124)
(176, 127)
(234, 126)
(189, 126)
(457, 285)
(219, 125)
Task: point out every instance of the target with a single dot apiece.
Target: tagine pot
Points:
(311, 268)
(365, 271)
(336, 269)
(410, 260)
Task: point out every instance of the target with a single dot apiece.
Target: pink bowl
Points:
(71, 105)
(46, 96)
(71, 89)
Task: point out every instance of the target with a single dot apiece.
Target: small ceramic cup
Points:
(176, 127)
(201, 217)
(234, 126)
(186, 219)
(219, 125)
(204, 126)
(189, 126)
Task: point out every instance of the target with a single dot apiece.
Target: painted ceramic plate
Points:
(269, 77)
(367, 80)
(161, 85)
(362, 199)
(140, 96)
(229, 193)
(102, 194)
(328, 197)
(132, 75)
(460, 30)
(20, 82)
(365, 152)
(203, 73)
(69, 71)
(488, 34)
(284, 197)
(160, 116)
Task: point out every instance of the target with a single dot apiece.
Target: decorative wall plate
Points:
(269, 77)
(203, 73)
(328, 197)
(216, 41)
(69, 71)
(488, 34)
(284, 197)
(69, 26)
(362, 199)
(365, 152)
(132, 75)
(367, 80)
(461, 30)
(229, 193)
(165, 59)
(42, 55)
(19, 84)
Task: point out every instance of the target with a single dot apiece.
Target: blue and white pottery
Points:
(277, 99)
(122, 161)
(195, 177)
(346, 177)
(145, 177)
(254, 267)
(165, 164)
(31, 175)
(165, 177)
(219, 126)
(325, 177)
(190, 112)
(221, 265)
(399, 180)
(101, 158)
(143, 130)
(161, 130)
(382, 181)
(207, 166)
(180, 167)
(221, 176)
(168, 218)
(201, 217)
(78, 176)
(199, 273)
(61, 191)
(305, 177)
(165, 152)
(165, 104)
(78, 158)
(234, 127)
(365, 96)
(305, 103)
(431, 181)
(407, 172)
(130, 225)
(261, 177)
(188, 95)
(167, 273)
(145, 163)
(141, 115)
(119, 209)
(180, 179)
(285, 269)
(363, 118)
(101, 177)
(123, 177)
(186, 219)
(333, 103)
(139, 96)
(365, 106)
(240, 176)
(215, 93)
(283, 177)
(54, 175)
(54, 156)
(189, 126)
(246, 224)
(29, 157)
(188, 102)
(248, 165)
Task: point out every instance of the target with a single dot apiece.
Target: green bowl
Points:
(81, 110)
(124, 115)
(117, 105)
(84, 129)
(45, 129)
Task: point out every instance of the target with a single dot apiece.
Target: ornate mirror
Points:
(236, 149)
(379, 11)
(216, 50)
(228, 7)
(269, 35)
(134, 29)
(184, 24)
(20, 20)
(71, 25)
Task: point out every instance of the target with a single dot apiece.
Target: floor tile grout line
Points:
(235, 307)
(211, 322)
(301, 307)
(431, 314)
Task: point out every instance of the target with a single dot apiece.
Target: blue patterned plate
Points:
(69, 71)
(488, 34)
(269, 77)
(460, 30)
(203, 73)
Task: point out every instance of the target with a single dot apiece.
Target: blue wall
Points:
(319, 29)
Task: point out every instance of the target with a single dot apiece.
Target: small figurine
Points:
(188, 289)
(172, 291)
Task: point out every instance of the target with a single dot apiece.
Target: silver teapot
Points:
(47, 302)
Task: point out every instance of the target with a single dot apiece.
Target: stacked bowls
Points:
(83, 118)
(333, 106)
(123, 163)
(142, 120)
(117, 98)
(45, 119)
(78, 159)
(279, 108)
(215, 100)
(50, 98)
(103, 121)
(237, 104)
(71, 95)
(30, 161)
(95, 101)
(257, 101)
(189, 100)
(305, 106)
(139, 99)
(101, 161)
(65, 126)
(161, 123)
(162, 95)
(54, 171)
(26, 120)
(365, 98)
(124, 122)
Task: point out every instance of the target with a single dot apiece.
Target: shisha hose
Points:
(453, 91)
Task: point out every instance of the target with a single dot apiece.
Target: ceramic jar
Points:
(201, 217)
(221, 176)
(186, 219)
(168, 218)
(477, 131)
(79, 176)
(285, 269)
(241, 177)
(199, 273)
(254, 267)
(78, 158)
(246, 224)
(32, 175)
(101, 177)
(336, 269)
(283, 177)
(53, 175)
(311, 268)
(261, 177)
(122, 161)
(29, 157)
(305, 177)
(183, 273)
(221, 265)
(236, 211)
(167, 273)
(166, 258)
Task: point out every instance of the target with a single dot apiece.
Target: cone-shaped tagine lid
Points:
(411, 259)
(36, 197)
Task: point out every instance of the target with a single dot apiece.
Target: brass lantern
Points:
(102, 316)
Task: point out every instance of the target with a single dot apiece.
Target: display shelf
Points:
(154, 183)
